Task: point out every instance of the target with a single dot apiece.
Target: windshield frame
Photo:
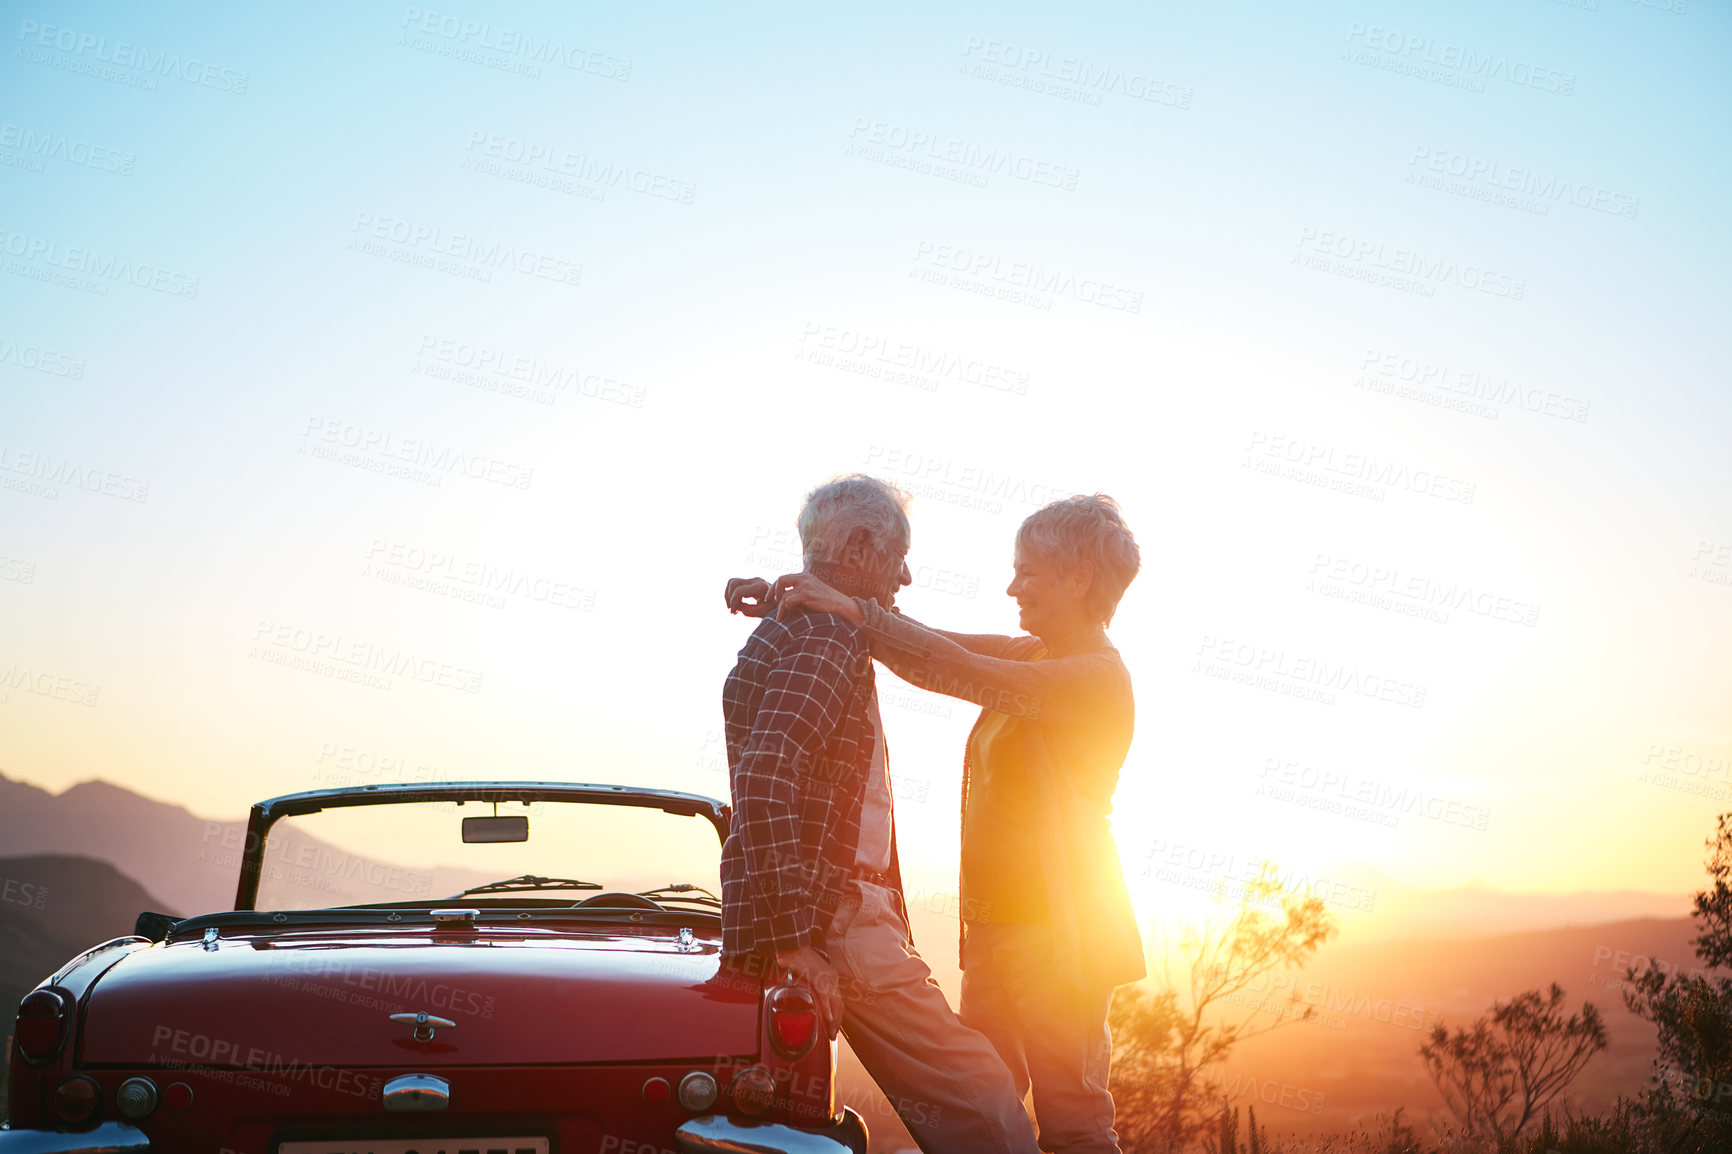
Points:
(267, 813)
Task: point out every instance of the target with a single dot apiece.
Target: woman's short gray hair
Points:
(1086, 530)
(856, 501)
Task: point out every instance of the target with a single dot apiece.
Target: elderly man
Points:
(809, 872)
(1048, 928)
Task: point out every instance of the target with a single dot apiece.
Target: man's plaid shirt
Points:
(800, 736)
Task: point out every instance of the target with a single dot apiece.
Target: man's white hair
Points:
(836, 508)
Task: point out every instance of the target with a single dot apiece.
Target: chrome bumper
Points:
(712, 1135)
(108, 1138)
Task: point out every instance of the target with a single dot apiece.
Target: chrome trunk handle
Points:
(424, 1024)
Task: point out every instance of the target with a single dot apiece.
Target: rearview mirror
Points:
(154, 926)
(489, 829)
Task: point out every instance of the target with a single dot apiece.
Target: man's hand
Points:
(752, 596)
(804, 593)
(810, 968)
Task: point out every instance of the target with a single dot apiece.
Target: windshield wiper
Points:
(530, 882)
(685, 891)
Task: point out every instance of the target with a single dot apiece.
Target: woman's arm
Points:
(755, 596)
(917, 669)
(1024, 648)
(1049, 689)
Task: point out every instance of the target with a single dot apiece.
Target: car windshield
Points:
(416, 852)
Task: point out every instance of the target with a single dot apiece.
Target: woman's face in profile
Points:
(1049, 598)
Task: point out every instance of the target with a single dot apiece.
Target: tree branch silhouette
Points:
(1164, 1048)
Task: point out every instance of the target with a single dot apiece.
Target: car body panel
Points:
(519, 996)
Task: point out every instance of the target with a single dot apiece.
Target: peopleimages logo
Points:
(45, 145)
(885, 142)
(38, 359)
(555, 161)
(1211, 869)
(87, 50)
(432, 247)
(1418, 594)
(1382, 802)
(922, 471)
(991, 269)
(60, 687)
(17, 569)
(477, 578)
(1491, 178)
(334, 655)
(903, 362)
(52, 470)
(1462, 389)
(1067, 77)
(464, 39)
(31, 895)
(93, 263)
(346, 443)
(496, 369)
(1373, 258)
(224, 1056)
(1354, 472)
(1306, 676)
(1454, 64)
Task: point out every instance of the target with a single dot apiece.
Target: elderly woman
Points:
(1047, 926)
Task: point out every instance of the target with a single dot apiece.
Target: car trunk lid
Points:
(529, 996)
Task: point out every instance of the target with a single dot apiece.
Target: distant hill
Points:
(192, 862)
(1477, 910)
(156, 843)
(57, 905)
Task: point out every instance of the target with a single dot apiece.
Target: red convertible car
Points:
(572, 1001)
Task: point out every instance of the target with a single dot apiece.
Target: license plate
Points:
(417, 1146)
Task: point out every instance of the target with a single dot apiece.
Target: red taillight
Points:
(793, 1020)
(44, 1017)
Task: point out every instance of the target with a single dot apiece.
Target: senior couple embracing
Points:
(809, 873)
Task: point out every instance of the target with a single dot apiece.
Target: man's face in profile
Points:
(859, 569)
